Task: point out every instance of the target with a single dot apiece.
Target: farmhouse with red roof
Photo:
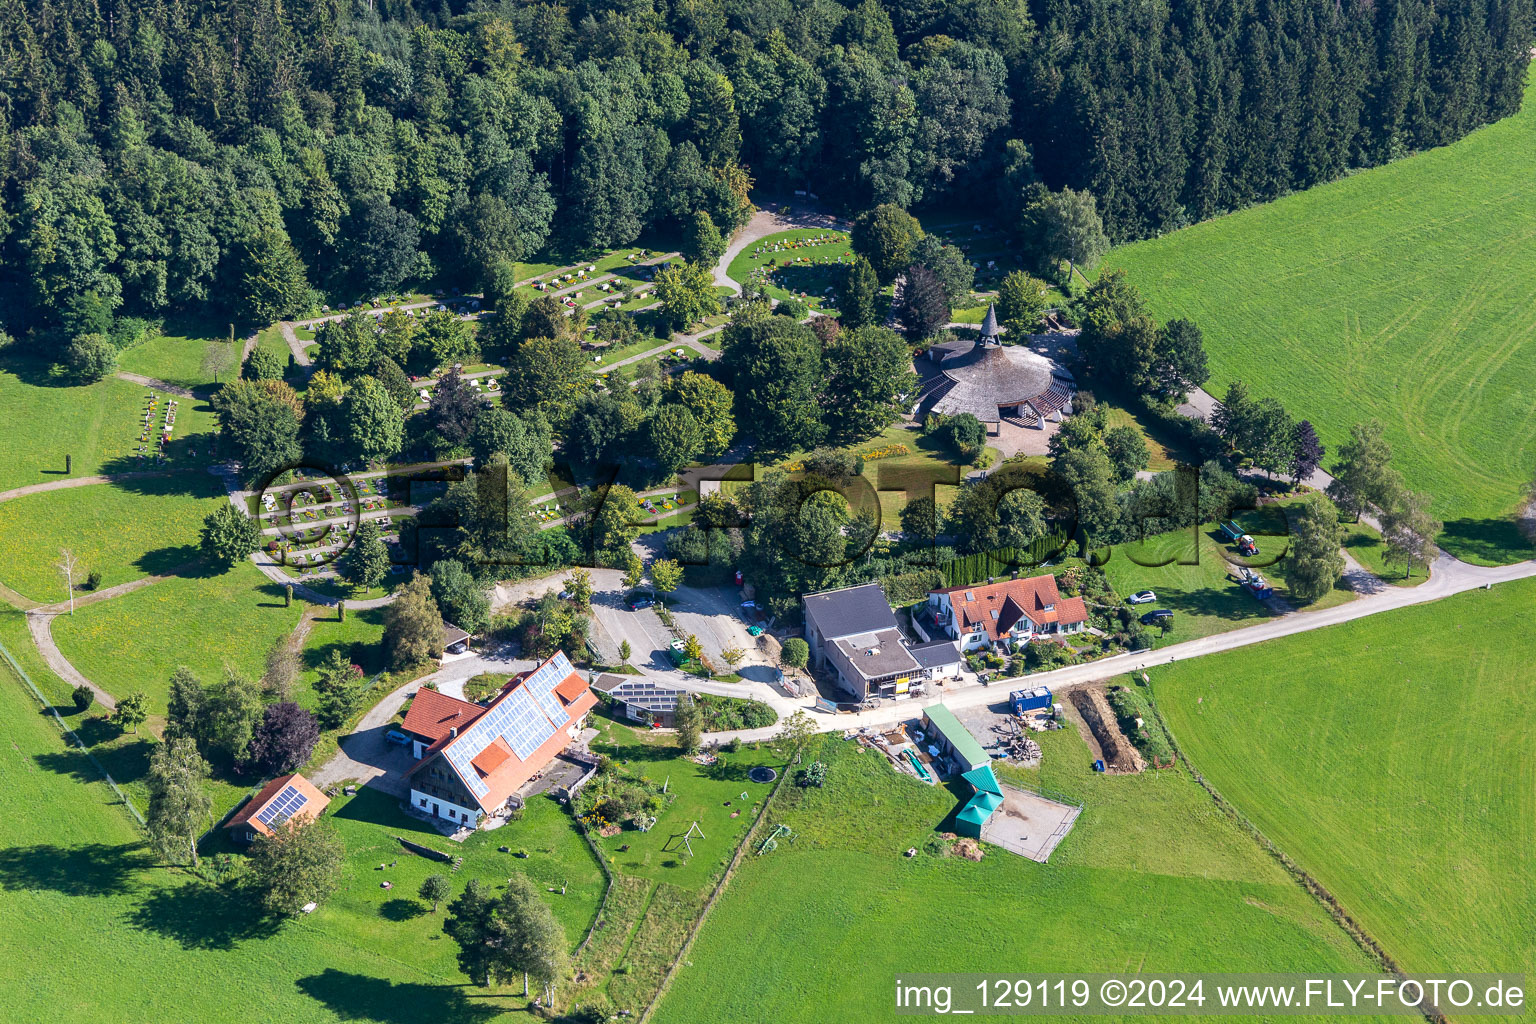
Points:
(473, 758)
(1006, 611)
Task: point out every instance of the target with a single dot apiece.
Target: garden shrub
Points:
(727, 714)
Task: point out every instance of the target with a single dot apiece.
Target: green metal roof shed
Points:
(983, 781)
(957, 737)
(972, 818)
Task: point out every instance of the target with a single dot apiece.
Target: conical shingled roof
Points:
(989, 329)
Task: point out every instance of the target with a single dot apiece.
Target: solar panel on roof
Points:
(288, 803)
(542, 685)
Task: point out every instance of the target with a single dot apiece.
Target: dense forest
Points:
(165, 155)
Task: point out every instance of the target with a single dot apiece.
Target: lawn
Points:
(196, 353)
(124, 531)
(1199, 583)
(1151, 879)
(804, 262)
(135, 642)
(706, 794)
(1401, 293)
(98, 424)
(1364, 544)
(1391, 758)
(79, 892)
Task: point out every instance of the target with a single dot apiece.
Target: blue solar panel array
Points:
(543, 682)
(288, 803)
(525, 718)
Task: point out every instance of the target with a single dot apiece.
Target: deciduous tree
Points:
(229, 535)
(413, 626)
(1315, 561)
(284, 739)
(179, 805)
(298, 864)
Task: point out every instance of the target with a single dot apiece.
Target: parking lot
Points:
(712, 614)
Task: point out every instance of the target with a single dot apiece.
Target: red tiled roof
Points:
(997, 607)
(434, 714)
(499, 767)
(315, 803)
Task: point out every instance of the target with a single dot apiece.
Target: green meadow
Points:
(124, 531)
(135, 641)
(1401, 293)
(1391, 758)
(1152, 878)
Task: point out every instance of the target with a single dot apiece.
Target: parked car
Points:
(1144, 597)
(1157, 617)
(636, 603)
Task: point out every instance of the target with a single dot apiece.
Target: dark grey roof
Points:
(936, 654)
(989, 323)
(639, 691)
(983, 379)
(839, 613)
(877, 654)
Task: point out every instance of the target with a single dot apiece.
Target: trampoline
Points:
(762, 774)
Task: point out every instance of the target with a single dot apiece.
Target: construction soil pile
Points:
(1119, 755)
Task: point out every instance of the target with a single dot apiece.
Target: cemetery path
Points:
(80, 481)
(765, 222)
(40, 626)
(300, 357)
(154, 382)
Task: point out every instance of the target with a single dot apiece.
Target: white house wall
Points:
(464, 815)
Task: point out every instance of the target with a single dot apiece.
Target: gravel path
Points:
(80, 481)
(154, 382)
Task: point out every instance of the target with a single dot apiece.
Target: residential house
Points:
(642, 699)
(285, 798)
(434, 716)
(1005, 612)
(476, 767)
(833, 615)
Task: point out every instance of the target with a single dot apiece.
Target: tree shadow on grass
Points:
(356, 997)
(201, 916)
(1490, 541)
(401, 910)
(90, 869)
(182, 560)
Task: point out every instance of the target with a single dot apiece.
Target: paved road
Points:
(1448, 577)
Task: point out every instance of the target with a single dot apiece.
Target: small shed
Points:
(987, 798)
(953, 739)
(287, 797)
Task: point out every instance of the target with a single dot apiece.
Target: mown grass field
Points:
(1391, 757)
(797, 266)
(98, 424)
(135, 641)
(194, 356)
(1401, 293)
(124, 531)
(1151, 879)
(80, 896)
(1198, 579)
